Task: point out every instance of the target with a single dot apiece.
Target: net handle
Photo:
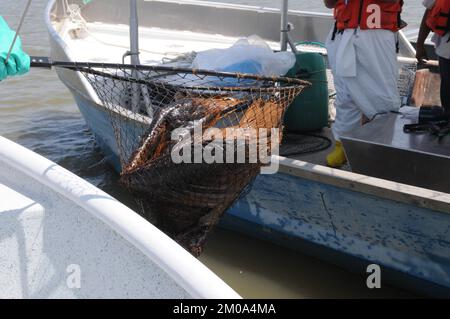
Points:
(45, 62)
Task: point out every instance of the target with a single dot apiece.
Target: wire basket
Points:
(158, 111)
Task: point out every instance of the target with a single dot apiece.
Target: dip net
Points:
(190, 141)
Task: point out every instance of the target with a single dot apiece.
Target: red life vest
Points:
(368, 15)
(439, 17)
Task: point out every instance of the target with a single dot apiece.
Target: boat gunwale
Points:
(382, 188)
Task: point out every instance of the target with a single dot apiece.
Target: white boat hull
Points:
(61, 237)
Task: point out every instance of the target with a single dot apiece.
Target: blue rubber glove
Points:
(19, 61)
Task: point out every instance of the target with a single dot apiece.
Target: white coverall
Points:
(365, 70)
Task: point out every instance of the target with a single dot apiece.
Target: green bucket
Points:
(309, 111)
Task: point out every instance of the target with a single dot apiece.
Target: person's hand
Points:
(421, 53)
(19, 61)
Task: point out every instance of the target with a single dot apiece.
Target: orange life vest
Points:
(439, 17)
(368, 14)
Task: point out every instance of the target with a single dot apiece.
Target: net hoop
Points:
(89, 68)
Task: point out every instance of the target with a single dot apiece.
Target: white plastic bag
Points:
(248, 55)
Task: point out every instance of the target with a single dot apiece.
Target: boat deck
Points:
(101, 42)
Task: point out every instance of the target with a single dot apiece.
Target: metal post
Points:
(134, 33)
(137, 90)
(284, 25)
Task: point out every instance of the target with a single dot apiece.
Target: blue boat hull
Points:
(349, 229)
(342, 225)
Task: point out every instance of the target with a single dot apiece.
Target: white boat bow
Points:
(54, 226)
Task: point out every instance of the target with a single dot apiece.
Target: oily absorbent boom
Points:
(147, 104)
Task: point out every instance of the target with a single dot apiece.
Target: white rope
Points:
(18, 30)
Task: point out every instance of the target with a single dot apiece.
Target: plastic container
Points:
(309, 111)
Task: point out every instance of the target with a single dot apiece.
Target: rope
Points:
(18, 30)
(298, 143)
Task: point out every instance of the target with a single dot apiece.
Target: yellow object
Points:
(337, 158)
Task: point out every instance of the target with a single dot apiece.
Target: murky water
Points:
(38, 112)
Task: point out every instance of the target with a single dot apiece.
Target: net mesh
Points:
(157, 112)
(407, 76)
